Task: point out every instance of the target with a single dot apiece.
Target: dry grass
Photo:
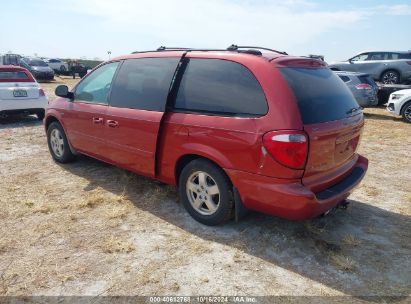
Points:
(117, 245)
(343, 262)
(351, 240)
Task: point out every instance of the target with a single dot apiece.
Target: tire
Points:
(390, 77)
(40, 115)
(406, 112)
(59, 150)
(197, 201)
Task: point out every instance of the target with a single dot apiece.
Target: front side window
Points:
(96, 87)
(143, 83)
(220, 87)
(360, 57)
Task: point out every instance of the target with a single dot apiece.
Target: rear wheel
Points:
(206, 192)
(390, 77)
(406, 112)
(58, 144)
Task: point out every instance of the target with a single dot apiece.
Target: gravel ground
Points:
(88, 228)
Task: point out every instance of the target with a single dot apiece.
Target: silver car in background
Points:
(384, 66)
(362, 86)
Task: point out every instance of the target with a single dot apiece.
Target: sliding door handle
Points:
(112, 123)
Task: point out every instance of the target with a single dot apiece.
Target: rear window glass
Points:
(13, 75)
(143, 83)
(404, 56)
(320, 94)
(220, 87)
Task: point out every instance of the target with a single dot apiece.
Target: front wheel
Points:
(206, 192)
(406, 112)
(58, 144)
(390, 77)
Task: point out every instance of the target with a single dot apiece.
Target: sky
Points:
(89, 28)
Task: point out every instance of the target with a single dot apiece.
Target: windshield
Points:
(321, 95)
(37, 62)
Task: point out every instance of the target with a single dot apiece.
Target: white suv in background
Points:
(400, 103)
(57, 65)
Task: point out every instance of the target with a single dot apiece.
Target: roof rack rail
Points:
(165, 48)
(254, 50)
(234, 47)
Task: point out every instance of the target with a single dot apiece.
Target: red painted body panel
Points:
(152, 143)
(286, 198)
(133, 143)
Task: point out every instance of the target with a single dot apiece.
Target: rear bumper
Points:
(290, 199)
(23, 104)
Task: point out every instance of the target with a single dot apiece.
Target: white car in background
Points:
(57, 65)
(20, 92)
(399, 103)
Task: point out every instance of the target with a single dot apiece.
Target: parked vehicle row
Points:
(20, 93)
(385, 66)
(219, 125)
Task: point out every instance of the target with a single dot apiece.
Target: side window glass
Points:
(344, 78)
(96, 87)
(143, 83)
(361, 57)
(220, 87)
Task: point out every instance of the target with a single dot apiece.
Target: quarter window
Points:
(143, 83)
(344, 78)
(96, 87)
(220, 87)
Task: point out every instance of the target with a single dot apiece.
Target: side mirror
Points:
(63, 91)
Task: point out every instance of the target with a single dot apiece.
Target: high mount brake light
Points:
(289, 148)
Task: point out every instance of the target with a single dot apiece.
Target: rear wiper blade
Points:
(353, 110)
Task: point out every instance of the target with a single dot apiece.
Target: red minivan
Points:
(235, 129)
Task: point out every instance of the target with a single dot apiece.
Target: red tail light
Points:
(363, 86)
(409, 62)
(289, 148)
(41, 92)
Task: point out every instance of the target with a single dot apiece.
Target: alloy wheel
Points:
(203, 193)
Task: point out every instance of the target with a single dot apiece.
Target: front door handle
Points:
(98, 120)
(112, 123)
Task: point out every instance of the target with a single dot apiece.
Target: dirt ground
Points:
(88, 228)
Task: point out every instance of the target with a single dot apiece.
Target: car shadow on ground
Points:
(361, 251)
(19, 121)
(382, 117)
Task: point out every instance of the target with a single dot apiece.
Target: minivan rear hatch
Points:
(332, 119)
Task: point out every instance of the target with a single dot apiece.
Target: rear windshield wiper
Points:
(353, 110)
